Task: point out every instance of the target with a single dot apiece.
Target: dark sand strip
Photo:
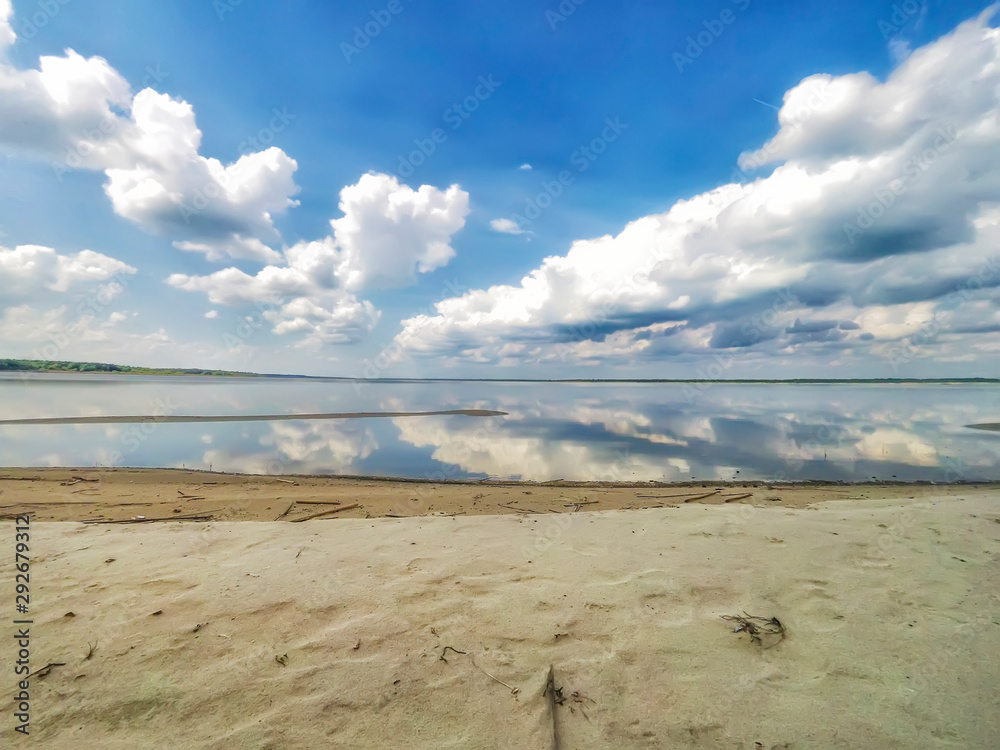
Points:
(992, 426)
(251, 417)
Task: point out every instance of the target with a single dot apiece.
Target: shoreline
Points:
(147, 495)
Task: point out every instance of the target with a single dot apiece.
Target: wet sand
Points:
(120, 494)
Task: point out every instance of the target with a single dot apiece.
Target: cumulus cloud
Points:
(505, 226)
(26, 268)
(877, 224)
(54, 304)
(7, 35)
(80, 113)
(388, 234)
(172, 190)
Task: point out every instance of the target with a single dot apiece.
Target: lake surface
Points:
(605, 431)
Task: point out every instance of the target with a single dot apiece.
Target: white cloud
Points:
(79, 113)
(885, 198)
(26, 268)
(505, 226)
(388, 234)
(899, 49)
(212, 314)
(7, 35)
(525, 167)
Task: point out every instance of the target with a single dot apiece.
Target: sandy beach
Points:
(345, 631)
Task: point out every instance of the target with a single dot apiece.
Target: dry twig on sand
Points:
(44, 671)
(555, 698)
(513, 690)
(188, 517)
(446, 649)
(701, 497)
(326, 512)
(757, 627)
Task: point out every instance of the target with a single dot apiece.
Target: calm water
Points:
(552, 431)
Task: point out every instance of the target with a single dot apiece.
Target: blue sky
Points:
(666, 257)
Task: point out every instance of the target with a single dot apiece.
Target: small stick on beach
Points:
(44, 671)
(287, 511)
(550, 691)
(188, 517)
(701, 497)
(326, 512)
(449, 648)
(513, 690)
(733, 498)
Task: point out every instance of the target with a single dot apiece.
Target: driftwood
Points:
(326, 513)
(287, 511)
(186, 517)
(701, 497)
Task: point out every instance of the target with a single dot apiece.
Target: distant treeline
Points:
(41, 365)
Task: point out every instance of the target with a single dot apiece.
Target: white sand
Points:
(893, 650)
